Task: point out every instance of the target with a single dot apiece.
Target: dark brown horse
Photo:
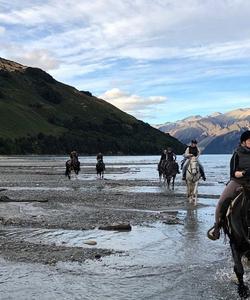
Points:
(236, 226)
(168, 169)
(100, 168)
(72, 164)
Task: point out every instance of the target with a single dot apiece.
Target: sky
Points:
(158, 60)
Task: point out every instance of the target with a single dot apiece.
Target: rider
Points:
(171, 156)
(99, 157)
(73, 154)
(163, 155)
(239, 175)
(191, 151)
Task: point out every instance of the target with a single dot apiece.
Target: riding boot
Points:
(202, 174)
(184, 175)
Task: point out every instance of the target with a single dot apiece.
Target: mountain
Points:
(216, 133)
(40, 115)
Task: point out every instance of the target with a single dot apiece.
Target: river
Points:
(157, 261)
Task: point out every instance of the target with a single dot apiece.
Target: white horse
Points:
(192, 178)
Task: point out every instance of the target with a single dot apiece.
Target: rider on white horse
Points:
(191, 151)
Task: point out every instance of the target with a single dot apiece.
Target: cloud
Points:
(39, 58)
(131, 103)
(147, 46)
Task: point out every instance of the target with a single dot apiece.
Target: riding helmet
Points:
(194, 142)
(245, 136)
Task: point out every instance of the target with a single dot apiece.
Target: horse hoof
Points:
(243, 291)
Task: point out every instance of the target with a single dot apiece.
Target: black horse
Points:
(100, 168)
(236, 226)
(168, 169)
(72, 164)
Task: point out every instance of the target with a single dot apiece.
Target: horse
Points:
(192, 178)
(72, 164)
(100, 168)
(170, 169)
(236, 226)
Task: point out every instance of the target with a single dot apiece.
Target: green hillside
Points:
(40, 115)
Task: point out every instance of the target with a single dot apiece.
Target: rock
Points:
(90, 242)
(173, 221)
(5, 199)
(116, 227)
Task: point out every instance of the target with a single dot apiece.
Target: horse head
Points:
(192, 179)
(193, 167)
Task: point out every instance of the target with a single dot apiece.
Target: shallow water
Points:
(158, 261)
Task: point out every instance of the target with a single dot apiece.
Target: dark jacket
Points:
(240, 161)
(171, 156)
(193, 150)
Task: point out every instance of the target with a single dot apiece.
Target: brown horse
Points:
(168, 169)
(100, 168)
(72, 164)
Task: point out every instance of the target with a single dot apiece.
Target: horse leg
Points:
(239, 271)
(195, 192)
(168, 182)
(67, 171)
(189, 191)
(173, 180)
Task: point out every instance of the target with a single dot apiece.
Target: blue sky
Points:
(159, 60)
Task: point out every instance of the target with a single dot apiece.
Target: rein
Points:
(191, 172)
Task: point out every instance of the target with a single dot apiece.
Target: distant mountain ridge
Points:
(217, 133)
(39, 115)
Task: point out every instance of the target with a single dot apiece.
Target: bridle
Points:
(194, 169)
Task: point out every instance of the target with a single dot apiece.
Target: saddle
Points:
(239, 208)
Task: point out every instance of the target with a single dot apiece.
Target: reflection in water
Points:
(191, 220)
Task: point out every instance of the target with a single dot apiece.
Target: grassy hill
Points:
(43, 116)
